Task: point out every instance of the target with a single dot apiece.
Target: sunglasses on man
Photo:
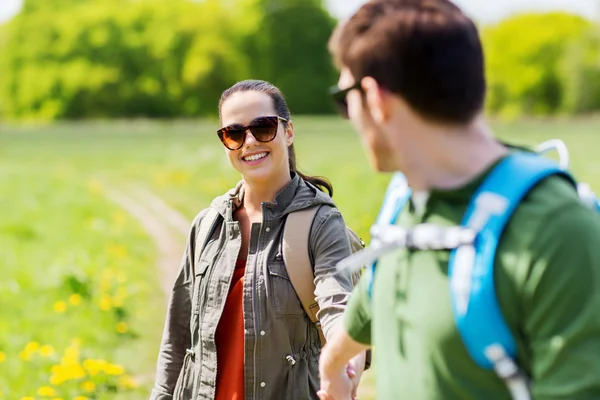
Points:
(339, 97)
(264, 129)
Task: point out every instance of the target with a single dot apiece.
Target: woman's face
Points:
(260, 162)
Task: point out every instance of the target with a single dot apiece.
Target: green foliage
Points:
(524, 62)
(581, 74)
(121, 58)
(290, 50)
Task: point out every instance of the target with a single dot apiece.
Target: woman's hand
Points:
(339, 386)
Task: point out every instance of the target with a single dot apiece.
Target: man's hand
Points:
(354, 373)
(340, 366)
(338, 386)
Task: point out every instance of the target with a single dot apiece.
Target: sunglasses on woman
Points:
(339, 97)
(264, 129)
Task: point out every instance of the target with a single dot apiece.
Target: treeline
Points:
(75, 59)
(155, 58)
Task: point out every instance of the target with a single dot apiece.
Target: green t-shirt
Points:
(547, 273)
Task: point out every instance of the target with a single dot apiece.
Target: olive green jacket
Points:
(282, 345)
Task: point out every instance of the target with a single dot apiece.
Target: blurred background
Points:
(108, 112)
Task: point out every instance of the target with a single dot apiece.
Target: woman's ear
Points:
(289, 134)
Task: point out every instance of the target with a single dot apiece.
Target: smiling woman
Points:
(264, 108)
(235, 327)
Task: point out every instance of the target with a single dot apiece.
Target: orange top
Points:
(230, 340)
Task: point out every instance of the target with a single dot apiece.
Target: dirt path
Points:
(166, 226)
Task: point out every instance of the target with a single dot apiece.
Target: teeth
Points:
(255, 157)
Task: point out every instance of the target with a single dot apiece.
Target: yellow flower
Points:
(46, 391)
(127, 382)
(27, 398)
(88, 386)
(105, 302)
(56, 398)
(2, 357)
(47, 350)
(64, 372)
(80, 398)
(75, 299)
(32, 347)
(114, 369)
(60, 306)
(93, 367)
(122, 327)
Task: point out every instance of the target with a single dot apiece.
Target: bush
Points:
(523, 62)
(581, 75)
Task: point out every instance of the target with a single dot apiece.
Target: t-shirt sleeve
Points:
(357, 317)
(562, 307)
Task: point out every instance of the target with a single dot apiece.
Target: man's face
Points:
(371, 133)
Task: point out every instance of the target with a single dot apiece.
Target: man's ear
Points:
(376, 99)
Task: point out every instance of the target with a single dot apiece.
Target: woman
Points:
(235, 328)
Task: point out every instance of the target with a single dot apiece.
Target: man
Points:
(412, 83)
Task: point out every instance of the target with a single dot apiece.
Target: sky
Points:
(490, 11)
(484, 11)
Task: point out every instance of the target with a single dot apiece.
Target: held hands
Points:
(342, 385)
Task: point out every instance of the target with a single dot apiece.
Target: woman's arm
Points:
(176, 333)
(330, 245)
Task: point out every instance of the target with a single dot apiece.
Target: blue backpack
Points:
(473, 245)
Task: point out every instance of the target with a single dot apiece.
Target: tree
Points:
(523, 62)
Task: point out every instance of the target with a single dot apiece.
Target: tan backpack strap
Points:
(296, 235)
(206, 227)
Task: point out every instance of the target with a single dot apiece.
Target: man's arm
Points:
(348, 342)
(561, 304)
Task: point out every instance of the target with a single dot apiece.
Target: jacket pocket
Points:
(184, 389)
(284, 300)
(199, 275)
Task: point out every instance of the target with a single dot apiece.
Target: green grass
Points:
(61, 237)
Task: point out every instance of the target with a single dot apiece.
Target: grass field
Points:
(82, 307)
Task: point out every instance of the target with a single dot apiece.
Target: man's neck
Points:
(447, 158)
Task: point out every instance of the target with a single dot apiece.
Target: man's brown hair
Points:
(426, 51)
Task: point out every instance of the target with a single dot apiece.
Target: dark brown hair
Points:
(282, 110)
(426, 51)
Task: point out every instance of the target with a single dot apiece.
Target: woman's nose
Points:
(250, 139)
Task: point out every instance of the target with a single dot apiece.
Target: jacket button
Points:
(262, 384)
(268, 229)
(262, 333)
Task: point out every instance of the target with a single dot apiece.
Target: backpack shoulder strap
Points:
(207, 226)
(296, 233)
(471, 268)
(396, 197)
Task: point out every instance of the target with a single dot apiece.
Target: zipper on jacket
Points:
(254, 280)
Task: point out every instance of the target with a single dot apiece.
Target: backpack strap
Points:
(477, 313)
(296, 232)
(396, 196)
(207, 226)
